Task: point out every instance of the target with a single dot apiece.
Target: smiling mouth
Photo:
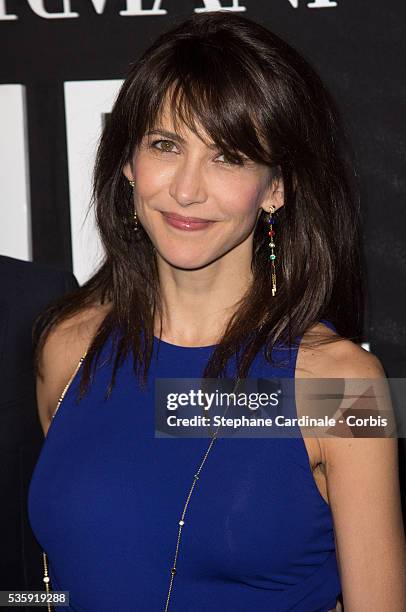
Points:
(186, 223)
(186, 219)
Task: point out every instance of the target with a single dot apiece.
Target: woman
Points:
(219, 129)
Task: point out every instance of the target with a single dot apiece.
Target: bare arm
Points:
(363, 490)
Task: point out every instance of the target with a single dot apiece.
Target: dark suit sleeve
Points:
(26, 289)
(69, 283)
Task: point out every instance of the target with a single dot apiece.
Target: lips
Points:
(186, 223)
(186, 219)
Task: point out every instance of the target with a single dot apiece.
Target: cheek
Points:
(240, 199)
(150, 176)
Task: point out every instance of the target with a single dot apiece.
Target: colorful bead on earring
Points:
(272, 256)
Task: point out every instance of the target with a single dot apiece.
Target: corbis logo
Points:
(136, 8)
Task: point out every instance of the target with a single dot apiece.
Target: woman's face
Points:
(180, 175)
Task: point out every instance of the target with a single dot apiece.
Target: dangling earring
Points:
(135, 226)
(272, 256)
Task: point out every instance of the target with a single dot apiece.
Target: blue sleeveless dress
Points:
(106, 496)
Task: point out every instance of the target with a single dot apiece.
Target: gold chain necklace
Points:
(182, 519)
(46, 579)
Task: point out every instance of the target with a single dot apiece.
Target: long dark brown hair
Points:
(256, 96)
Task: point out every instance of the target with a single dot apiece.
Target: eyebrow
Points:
(174, 136)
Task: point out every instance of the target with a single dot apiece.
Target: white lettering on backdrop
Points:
(315, 4)
(134, 8)
(15, 226)
(37, 6)
(86, 103)
(3, 12)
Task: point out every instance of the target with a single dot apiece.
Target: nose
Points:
(188, 184)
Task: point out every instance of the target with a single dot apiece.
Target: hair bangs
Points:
(198, 94)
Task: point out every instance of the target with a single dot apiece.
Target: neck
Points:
(198, 304)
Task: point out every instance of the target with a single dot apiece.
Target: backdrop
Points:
(62, 62)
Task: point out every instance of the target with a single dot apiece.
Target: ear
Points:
(275, 195)
(127, 171)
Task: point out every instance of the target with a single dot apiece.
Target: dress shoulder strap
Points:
(69, 383)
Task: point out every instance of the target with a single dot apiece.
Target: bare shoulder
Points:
(336, 358)
(339, 358)
(65, 345)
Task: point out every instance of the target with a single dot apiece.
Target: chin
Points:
(187, 261)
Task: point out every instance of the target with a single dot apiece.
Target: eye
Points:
(166, 148)
(230, 161)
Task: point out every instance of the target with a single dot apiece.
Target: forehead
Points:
(174, 118)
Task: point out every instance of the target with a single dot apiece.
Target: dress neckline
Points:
(158, 341)
(170, 345)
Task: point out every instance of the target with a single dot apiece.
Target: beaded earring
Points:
(272, 256)
(135, 226)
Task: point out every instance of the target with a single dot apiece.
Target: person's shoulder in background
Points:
(26, 289)
(43, 282)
